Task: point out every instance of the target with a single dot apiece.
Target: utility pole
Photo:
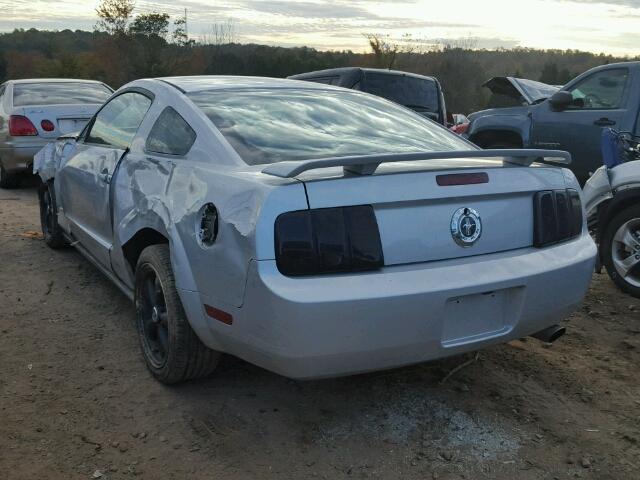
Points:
(186, 28)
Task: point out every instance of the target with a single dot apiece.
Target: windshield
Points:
(59, 93)
(268, 126)
(406, 90)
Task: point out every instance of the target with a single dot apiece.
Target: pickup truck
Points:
(570, 119)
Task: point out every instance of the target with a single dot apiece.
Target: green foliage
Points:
(151, 25)
(114, 16)
(384, 51)
(179, 34)
(122, 57)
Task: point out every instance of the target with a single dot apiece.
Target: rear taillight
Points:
(461, 128)
(557, 216)
(47, 125)
(20, 126)
(328, 240)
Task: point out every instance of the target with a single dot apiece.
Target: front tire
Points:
(620, 245)
(172, 351)
(53, 235)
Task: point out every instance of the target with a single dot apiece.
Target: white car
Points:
(34, 112)
(312, 230)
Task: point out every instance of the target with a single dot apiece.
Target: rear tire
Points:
(620, 246)
(171, 349)
(8, 180)
(53, 235)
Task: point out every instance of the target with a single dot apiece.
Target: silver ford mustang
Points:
(311, 230)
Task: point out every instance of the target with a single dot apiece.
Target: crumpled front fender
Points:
(597, 190)
(52, 157)
(608, 183)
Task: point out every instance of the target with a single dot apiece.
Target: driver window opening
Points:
(602, 90)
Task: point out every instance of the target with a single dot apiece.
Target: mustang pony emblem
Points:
(466, 226)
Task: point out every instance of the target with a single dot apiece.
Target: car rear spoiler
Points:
(367, 164)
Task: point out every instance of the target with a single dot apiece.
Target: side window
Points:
(602, 90)
(117, 123)
(171, 134)
(2, 88)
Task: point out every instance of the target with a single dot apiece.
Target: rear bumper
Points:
(339, 325)
(19, 158)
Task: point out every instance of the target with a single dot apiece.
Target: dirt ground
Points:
(76, 400)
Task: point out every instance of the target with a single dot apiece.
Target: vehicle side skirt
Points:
(116, 281)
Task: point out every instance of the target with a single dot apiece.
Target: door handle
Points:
(604, 122)
(104, 176)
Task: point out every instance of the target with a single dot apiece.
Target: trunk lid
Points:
(65, 118)
(414, 213)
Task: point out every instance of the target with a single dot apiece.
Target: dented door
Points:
(87, 177)
(85, 182)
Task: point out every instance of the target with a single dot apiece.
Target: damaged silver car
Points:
(312, 230)
(612, 202)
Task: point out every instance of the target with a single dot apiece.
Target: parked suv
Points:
(417, 92)
(35, 112)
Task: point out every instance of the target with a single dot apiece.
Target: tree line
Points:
(124, 47)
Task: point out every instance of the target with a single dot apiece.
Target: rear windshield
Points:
(268, 126)
(418, 93)
(59, 93)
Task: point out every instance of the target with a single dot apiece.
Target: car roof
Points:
(220, 82)
(53, 80)
(350, 70)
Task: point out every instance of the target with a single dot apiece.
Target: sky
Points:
(609, 26)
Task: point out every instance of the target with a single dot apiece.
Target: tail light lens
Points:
(328, 240)
(20, 126)
(47, 125)
(557, 216)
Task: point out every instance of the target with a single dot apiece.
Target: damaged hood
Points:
(519, 90)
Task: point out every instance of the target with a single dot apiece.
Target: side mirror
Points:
(561, 100)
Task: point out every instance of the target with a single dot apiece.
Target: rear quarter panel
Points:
(168, 196)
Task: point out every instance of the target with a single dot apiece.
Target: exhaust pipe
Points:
(550, 334)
